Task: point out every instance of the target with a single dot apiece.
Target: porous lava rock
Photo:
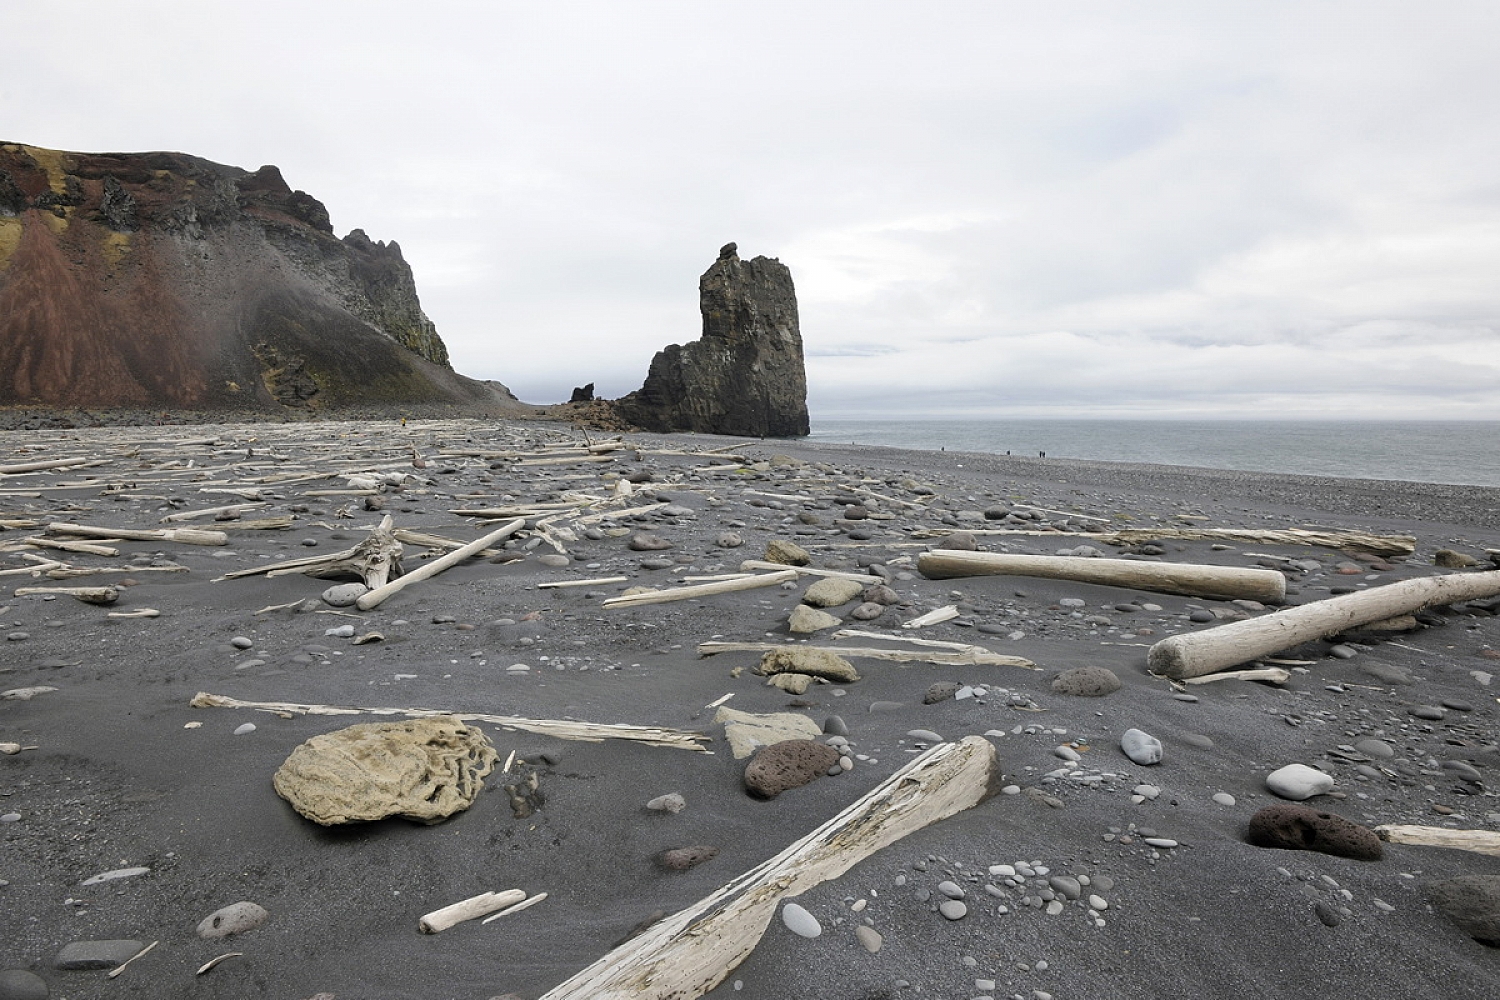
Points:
(832, 592)
(779, 550)
(788, 764)
(746, 374)
(423, 770)
(1291, 827)
(1086, 682)
(680, 859)
(166, 281)
(1473, 903)
(809, 660)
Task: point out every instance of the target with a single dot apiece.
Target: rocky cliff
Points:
(745, 375)
(161, 280)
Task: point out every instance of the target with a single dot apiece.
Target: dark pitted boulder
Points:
(1291, 827)
(788, 764)
(1086, 682)
(746, 374)
(1473, 903)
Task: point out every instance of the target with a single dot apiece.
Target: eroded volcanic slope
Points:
(162, 280)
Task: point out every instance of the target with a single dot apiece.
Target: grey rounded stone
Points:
(1378, 749)
(343, 595)
(1141, 747)
(19, 984)
(953, 909)
(671, 802)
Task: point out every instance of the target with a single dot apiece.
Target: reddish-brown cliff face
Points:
(157, 280)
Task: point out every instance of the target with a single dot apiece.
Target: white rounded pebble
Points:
(1143, 748)
(248, 727)
(1160, 841)
(671, 802)
(340, 632)
(1224, 798)
(953, 909)
(868, 937)
(1147, 791)
(800, 922)
(1298, 782)
(925, 736)
(1098, 903)
(1054, 907)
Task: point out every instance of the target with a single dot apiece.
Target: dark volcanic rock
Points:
(746, 374)
(1472, 902)
(788, 764)
(162, 280)
(682, 858)
(1086, 682)
(583, 394)
(1299, 828)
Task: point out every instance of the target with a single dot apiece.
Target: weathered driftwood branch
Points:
(88, 595)
(754, 564)
(937, 616)
(591, 732)
(1479, 841)
(964, 656)
(597, 581)
(700, 590)
(475, 906)
(187, 536)
(90, 548)
(1384, 545)
(689, 953)
(379, 595)
(1196, 653)
(233, 508)
(427, 541)
(1193, 580)
(1276, 675)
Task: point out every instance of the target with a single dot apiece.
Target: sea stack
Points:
(745, 375)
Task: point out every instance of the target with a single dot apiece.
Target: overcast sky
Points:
(989, 209)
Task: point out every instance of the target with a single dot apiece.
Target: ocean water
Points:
(1460, 452)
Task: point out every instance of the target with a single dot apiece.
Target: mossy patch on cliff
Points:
(10, 238)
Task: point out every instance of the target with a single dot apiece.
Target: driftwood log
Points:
(1223, 646)
(1479, 841)
(1219, 582)
(689, 953)
(1381, 545)
(88, 595)
(187, 536)
(958, 655)
(467, 909)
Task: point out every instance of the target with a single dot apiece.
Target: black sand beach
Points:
(118, 770)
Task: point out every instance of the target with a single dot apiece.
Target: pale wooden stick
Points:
(523, 905)
(963, 656)
(700, 590)
(1223, 582)
(752, 564)
(1192, 654)
(944, 614)
(1479, 841)
(379, 595)
(1276, 675)
(187, 536)
(596, 582)
(121, 967)
(36, 570)
(234, 508)
(475, 906)
(591, 732)
(689, 953)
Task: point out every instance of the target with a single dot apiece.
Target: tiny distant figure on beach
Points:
(1041, 454)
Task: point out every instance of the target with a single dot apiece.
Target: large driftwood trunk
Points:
(1220, 582)
(691, 952)
(1224, 646)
